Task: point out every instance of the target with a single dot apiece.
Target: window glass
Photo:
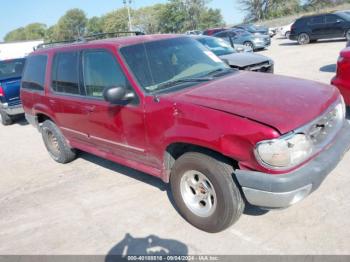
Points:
(222, 34)
(217, 45)
(11, 68)
(34, 72)
(159, 62)
(101, 70)
(317, 20)
(330, 19)
(65, 75)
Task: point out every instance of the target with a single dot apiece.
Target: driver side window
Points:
(101, 70)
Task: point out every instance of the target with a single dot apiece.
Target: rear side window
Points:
(34, 72)
(101, 70)
(316, 20)
(11, 68)
(65, 76)
(222, 34)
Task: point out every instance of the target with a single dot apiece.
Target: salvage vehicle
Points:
(254, 29)
(10, 79)
(240, 36)
(169, 107)
(285, 30)
(342, 78)
(309, 29)
(242, 61)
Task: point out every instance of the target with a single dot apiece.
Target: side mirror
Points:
(118, 95)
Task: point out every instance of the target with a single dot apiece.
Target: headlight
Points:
(285, 152)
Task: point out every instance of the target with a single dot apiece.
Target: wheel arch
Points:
(176, 149)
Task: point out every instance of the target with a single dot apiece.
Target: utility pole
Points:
(127, 4)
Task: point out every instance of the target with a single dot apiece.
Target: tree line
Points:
(175, 16)
(267, 9)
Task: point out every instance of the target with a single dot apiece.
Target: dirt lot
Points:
(93, 206)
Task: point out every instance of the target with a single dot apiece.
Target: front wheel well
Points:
(176, 150)
(41, 118)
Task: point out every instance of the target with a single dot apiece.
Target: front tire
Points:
(5, 118)
(303, 39)
(204, 191)
(249, 44)
(287, 34)
(56, 144)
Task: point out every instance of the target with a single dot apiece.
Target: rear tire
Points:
(347, 35)
(303, 39)
(204, 191)
(56, 143)
(5, 118)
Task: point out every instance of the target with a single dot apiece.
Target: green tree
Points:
(71, 26)
(94, 25)
(173, 16)
(15, 35)
(115, 21)
(210, 18)
(147, 19)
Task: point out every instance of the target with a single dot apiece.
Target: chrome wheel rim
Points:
(249, 45)
(52, 143)
(198, 193)
(348, 35)
(303, 38)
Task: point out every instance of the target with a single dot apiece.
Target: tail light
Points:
(343, 66)
(1, 91)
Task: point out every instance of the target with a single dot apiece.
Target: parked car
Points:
(348, 44)
(240, 36)
(194, 32)
(10, 78)
(168, 106)
(323, 26)
(254, 29)
(213, 31)
(285, 30)
(342, 78)
(241, 61)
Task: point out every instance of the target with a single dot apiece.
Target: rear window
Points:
(11, 68)
(34, 72)
(65, 76)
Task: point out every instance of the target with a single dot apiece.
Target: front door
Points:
(115, 129)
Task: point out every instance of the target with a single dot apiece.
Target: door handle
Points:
(90, 109)
(52, 101)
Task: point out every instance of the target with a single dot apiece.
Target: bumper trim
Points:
(268, 190)
(12, 110)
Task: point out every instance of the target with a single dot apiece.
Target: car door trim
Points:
(117, 144)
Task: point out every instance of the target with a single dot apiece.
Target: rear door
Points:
(318, 27)
(66, 96)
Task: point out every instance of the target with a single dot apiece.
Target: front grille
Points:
(264, 67)
(323, 130)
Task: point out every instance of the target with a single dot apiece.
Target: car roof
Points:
(118, 42)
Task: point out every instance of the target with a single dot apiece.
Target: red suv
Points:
(342, 79)
(166, 105)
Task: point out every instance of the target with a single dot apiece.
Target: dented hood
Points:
(284, 103)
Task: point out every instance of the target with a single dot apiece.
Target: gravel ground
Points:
(93, 206)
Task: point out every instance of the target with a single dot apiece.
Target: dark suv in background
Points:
(323, 26)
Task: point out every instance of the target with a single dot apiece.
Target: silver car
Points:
(242, 61)
(240, 36)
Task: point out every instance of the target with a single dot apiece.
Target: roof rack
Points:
(89, 38)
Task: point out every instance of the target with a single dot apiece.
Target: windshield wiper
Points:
(181, 81)
(220, 72)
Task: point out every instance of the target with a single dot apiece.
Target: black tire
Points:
(287, 34)
(303, 39)
(229, 203)
(5, 118)
(347, 35)
(56, 144)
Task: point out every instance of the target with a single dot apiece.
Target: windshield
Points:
(11, 68)
(154, 64)
(344, 14)
(217, 46)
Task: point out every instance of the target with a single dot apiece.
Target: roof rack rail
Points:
(89, 38)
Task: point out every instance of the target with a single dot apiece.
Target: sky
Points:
(17, 13)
